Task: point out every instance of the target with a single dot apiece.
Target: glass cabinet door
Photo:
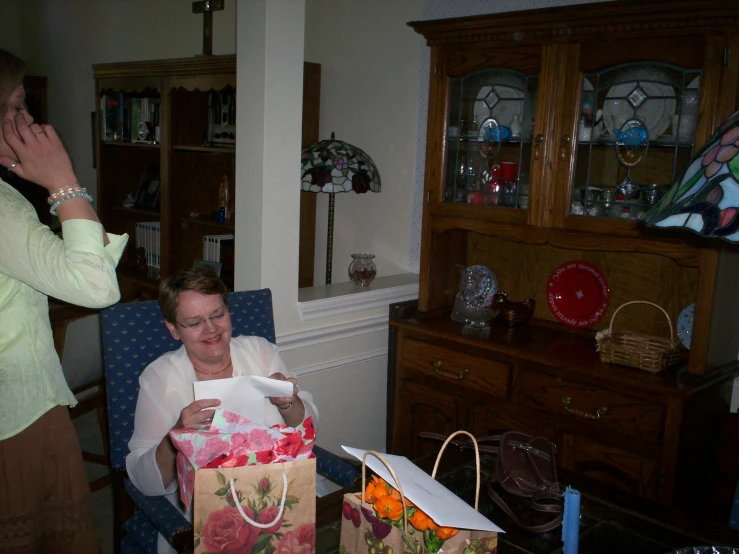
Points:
(489, 130)
(635, 135)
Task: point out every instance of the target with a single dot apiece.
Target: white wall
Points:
(369, 83)
(10, 34)
(61, 39)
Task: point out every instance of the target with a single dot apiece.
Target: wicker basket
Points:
(632, 349)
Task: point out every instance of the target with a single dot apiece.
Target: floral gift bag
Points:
(258, 508)
(253, 487)
(388, 522)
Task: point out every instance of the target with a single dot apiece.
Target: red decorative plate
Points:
(578, 294)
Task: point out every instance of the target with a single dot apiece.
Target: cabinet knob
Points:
(537, 145)
(565, 147)
(448, 374)
(603, 410)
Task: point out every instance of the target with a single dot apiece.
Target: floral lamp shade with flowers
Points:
(334, 166)
(705, 199)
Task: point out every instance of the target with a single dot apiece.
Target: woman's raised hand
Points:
(197, 413)
(282, 401)
(40, 155)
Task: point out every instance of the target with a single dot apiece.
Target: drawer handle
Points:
(457, 377)
(566, 400)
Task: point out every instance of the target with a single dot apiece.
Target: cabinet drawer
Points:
(611, 465)
(474, 372)
(608, 410)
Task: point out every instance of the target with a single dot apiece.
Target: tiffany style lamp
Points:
(334, 166)
(705, 198)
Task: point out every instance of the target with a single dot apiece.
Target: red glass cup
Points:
(508, 170)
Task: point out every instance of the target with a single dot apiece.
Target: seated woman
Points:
(195, 308)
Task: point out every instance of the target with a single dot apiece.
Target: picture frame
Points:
(147, 196)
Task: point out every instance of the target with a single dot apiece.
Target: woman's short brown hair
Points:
(12, 71)
(199, 279)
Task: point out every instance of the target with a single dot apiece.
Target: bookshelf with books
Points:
(165, 152)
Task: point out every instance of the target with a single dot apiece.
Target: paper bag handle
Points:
(232, 482)
(477, 460)
(390, 469)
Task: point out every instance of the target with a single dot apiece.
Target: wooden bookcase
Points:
(658, 436)
(190, 170)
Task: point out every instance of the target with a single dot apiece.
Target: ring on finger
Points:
(12, 166)
(39, 133)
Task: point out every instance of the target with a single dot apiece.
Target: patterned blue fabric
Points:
(168, 519)
(142, 531)
(130, 546)
(134, 335)
(337, 469)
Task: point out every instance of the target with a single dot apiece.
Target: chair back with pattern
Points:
(134, 335)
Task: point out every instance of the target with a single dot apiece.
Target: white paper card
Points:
(243, 395)
(438, 502)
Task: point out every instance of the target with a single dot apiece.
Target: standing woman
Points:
(44, 495)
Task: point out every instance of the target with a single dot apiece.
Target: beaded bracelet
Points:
(64, 191)
(69, 197)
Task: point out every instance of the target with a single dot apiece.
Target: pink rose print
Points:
(300, 541)
(264, 486)
(211, 449)
(260, 439)
(268, 515)
(231, 417)
(226, 531)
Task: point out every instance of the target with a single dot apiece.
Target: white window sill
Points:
(342, 298)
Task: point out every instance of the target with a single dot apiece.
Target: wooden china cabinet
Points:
(558, 84)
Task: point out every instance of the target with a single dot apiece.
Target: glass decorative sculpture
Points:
(477, 287)
(705, 198)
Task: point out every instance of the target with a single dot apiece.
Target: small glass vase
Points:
(362, 270)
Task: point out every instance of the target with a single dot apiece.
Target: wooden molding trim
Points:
(583, 21)
(177, 66)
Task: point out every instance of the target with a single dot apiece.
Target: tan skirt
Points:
(44, 494)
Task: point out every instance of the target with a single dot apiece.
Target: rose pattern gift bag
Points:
(260, 508)
(387, 522)
(253, 487)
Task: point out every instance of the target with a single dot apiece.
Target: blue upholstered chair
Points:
(134, 335)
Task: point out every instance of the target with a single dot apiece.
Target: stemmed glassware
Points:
(632, 143)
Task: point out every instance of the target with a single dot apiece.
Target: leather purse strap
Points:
(537, 503)
(541, 501)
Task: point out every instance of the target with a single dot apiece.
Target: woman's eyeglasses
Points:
(200, 324)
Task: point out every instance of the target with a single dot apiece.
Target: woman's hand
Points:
(197, 413)
(40, 154)
(284, 402)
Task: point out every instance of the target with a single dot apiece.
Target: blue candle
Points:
(571, 521)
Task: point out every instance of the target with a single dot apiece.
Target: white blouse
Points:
(166, 388)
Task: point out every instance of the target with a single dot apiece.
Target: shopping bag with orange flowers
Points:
(254, 486)
(415, 515)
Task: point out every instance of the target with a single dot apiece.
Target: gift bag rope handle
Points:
(395, 477)
(232, 482)
(477, 460)
(660, 308)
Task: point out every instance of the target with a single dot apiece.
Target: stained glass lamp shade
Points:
(334, 166)
(705, 199)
